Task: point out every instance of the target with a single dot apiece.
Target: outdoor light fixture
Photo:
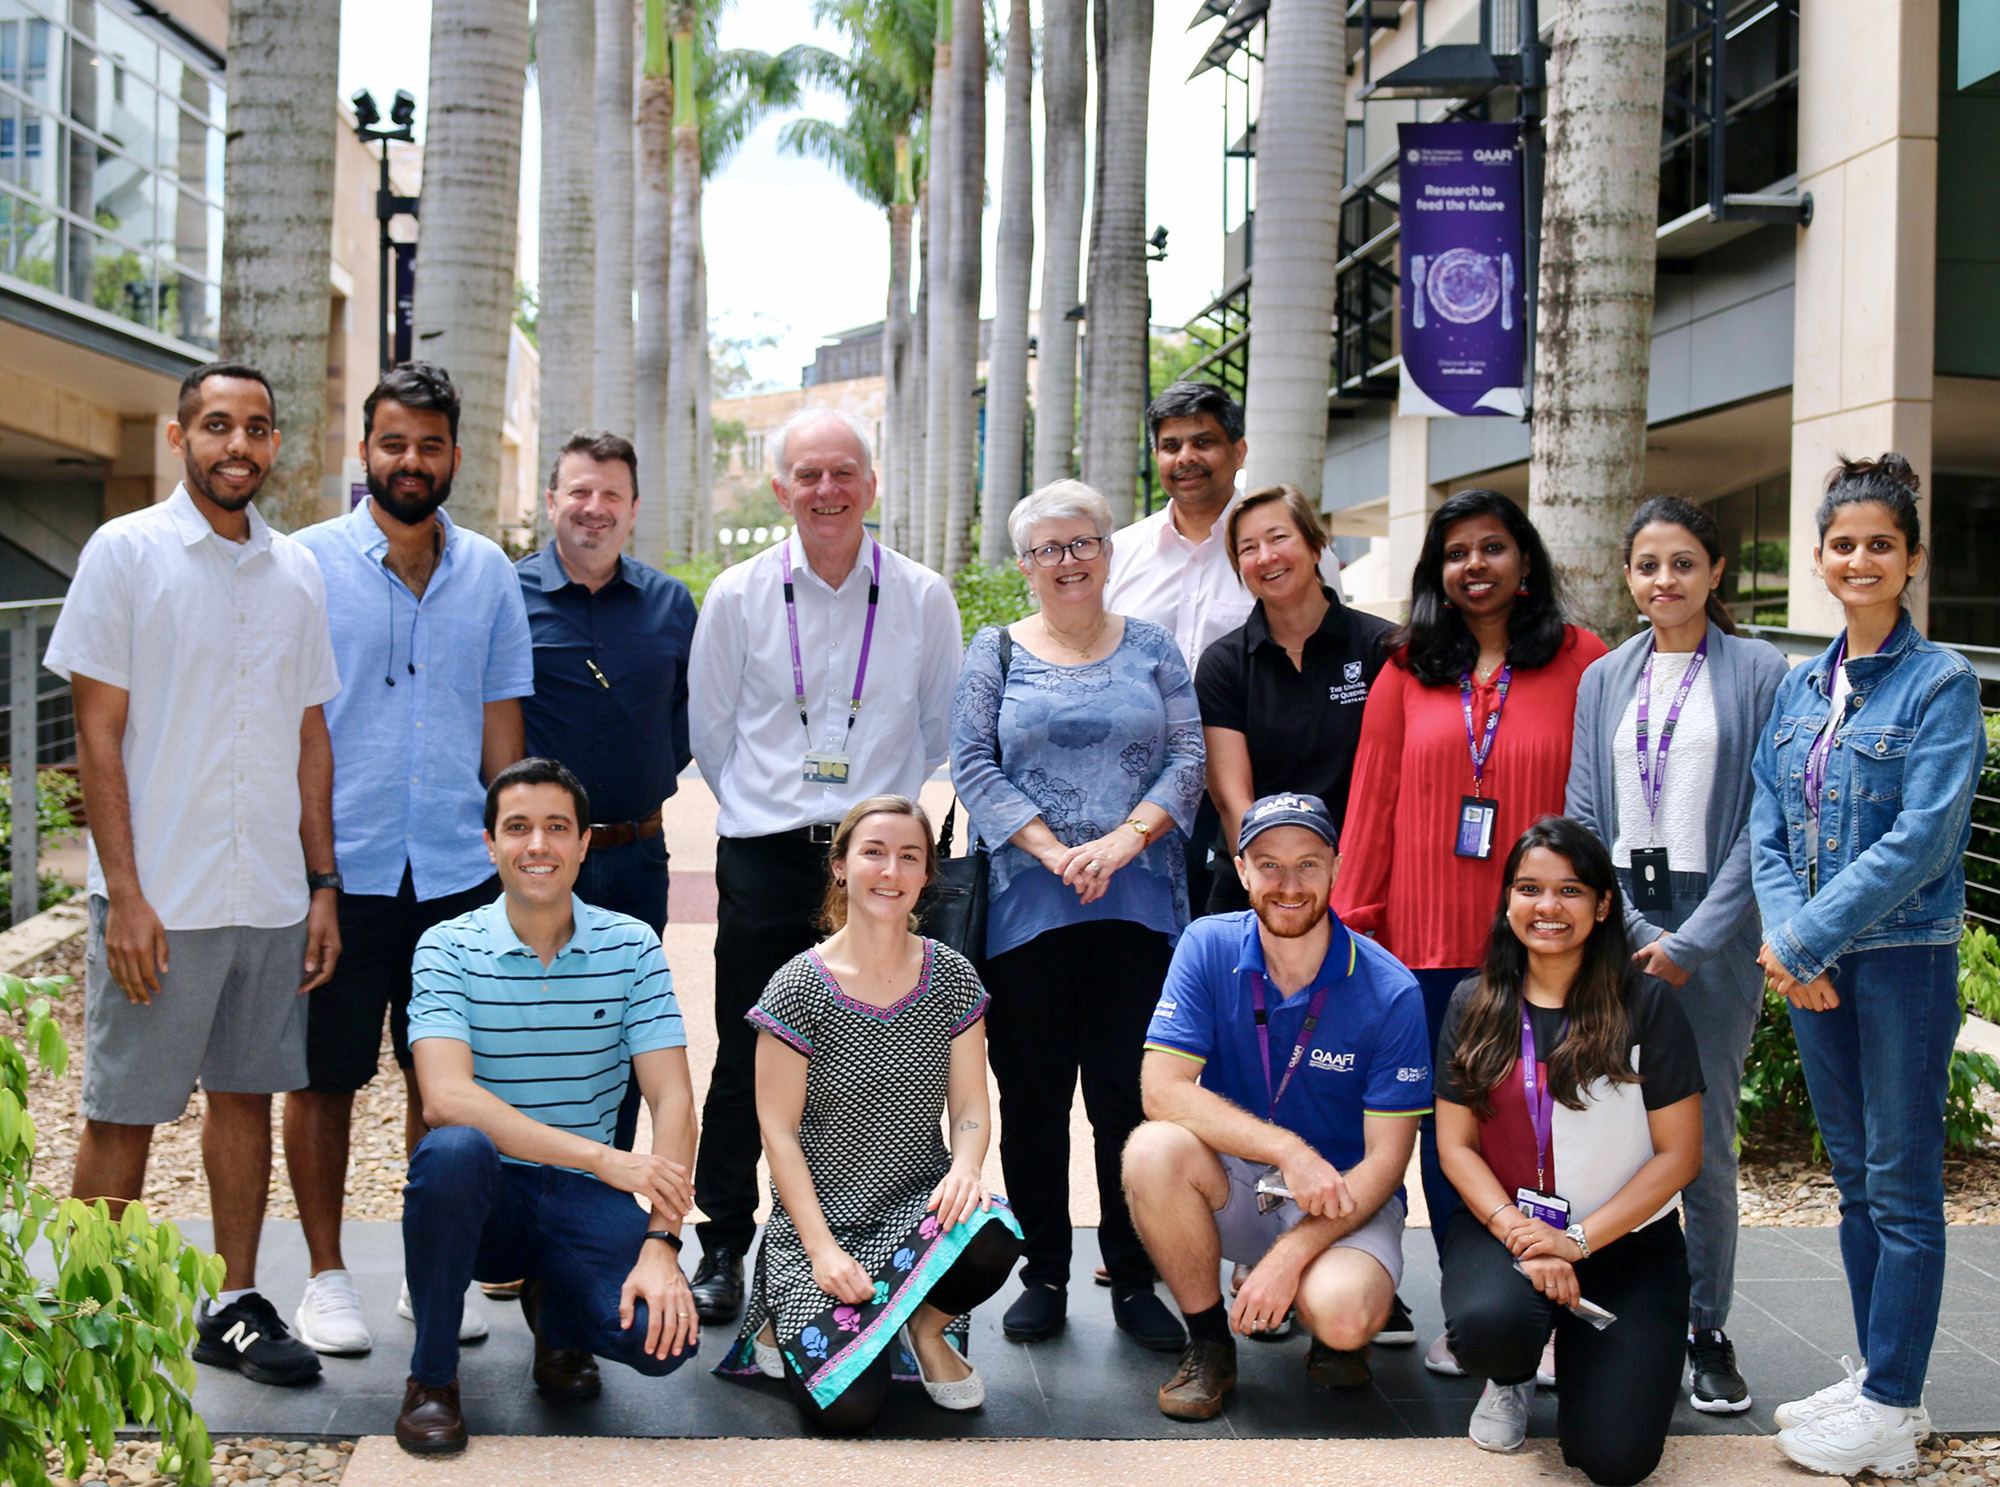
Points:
(392, 311)
(403, 112)
(366, 114)
(1158, 243)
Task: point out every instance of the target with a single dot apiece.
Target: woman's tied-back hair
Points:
(1674, 512)
(1887, 480)
(1599, 1043)
(833, 911)
(1440, 647)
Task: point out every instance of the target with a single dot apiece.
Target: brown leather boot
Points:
(1206, 1376)
(431, 1423)
(562, 1373)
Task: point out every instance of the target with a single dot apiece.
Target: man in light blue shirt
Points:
(433, 646)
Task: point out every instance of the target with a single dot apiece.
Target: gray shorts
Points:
(1247, 1234)
(228, 1014)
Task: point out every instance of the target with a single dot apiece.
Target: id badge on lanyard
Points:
(1478, 813)
(1539, 1201)
(1652, 887)
(829, 766)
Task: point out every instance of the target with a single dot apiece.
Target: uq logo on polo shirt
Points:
(1331, 1062)
(1350, 688)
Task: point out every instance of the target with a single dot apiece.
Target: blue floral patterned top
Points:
(1080, 747)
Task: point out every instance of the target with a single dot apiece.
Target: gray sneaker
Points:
(1500, 1419)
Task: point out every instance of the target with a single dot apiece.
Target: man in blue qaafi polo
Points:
(527, 1015)
(1285, 1070)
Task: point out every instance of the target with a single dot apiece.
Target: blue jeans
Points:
(469, 1216)
(1439, 1195)
(1877, 1068)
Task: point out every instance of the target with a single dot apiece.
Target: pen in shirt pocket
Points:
(602, 680)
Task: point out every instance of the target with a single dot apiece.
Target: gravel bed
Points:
(277, 1463)
(1949, 1461)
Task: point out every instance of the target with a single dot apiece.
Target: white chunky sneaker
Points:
(1438, 1359)
(1833, 1396)
(1859, 1436)
(471, 1322)
(1500, 1419)
(329, 1318)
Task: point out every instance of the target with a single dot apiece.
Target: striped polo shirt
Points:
(553, 1041)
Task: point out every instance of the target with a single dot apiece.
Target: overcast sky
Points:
(791, 251)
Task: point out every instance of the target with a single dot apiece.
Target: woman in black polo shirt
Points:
(1281, 695)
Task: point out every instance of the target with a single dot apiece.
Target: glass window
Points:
(30, 145)
(30, 54)
(113, 278)
(28, 237)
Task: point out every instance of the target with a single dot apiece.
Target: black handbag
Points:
(952, 910)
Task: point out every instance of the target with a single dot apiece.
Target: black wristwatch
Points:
(317, 881)
(672, 1241)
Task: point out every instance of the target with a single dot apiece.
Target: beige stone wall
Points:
(749, 470)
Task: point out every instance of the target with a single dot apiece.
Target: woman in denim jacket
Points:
(1864, 780)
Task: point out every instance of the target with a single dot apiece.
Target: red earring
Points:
(1449, 605)
(1523, 589)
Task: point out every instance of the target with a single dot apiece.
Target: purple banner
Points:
(1462, 264)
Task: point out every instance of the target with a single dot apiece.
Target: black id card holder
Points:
(1547, 1207)
(1652, 889)
(1474, 836)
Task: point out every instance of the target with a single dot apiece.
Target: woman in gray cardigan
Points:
(1665, 728)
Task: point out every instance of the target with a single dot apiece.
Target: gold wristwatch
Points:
(1145, 831)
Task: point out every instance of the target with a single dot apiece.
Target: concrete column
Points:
(1862, 352)
(1412, 499)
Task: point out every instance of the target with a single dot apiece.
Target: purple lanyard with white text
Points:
(1541, 1104)
(1653, 772)
(1822, 749)
(867, 638)
(1313, 1009)
(1482, 747)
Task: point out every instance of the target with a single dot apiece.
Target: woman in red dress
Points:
(1465, 744)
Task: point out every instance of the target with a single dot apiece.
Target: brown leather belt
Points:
(621, 833)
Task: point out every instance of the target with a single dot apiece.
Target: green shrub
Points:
(107, 1339)
(697, 572)
(991, 596)
(55, 793)
(1982, 858)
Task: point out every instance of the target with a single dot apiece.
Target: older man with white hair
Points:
(822, 673)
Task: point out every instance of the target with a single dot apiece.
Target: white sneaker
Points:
(1500, 1419)
(1545, 1371)
(770, 1360)
(1438, 1359)
(471, 1322)
(1859, 1436)
(1833, 1396)
(329, 1318)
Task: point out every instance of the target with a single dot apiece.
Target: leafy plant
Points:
(107, 1338)
(1979, 973)
(55, 793)
(991, 596)
(697, 572)
(1982, 857)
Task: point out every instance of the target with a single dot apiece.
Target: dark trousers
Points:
(628, 879)
(469, 1216)
(1205, 842)
(769, 892)
(1618, 1386)
(975, 1275)
(1440, 1197)
(1072, 1000)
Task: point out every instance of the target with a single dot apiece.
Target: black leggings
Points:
(975, 1275)
(1617, 1387)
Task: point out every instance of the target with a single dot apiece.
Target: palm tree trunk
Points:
(1115, 385)
(1593, 343)
(566, 257)
(938, 222)
(968, 199)
(472, 193)
(893, 457)
(611, 370)
(701, 538)
(652, 230)
(284, 57)
(684, 372)
(1065, 83)
(1013, 259)
(1300, 135)
(910, 528)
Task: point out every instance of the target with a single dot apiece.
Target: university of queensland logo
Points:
(1352, 671)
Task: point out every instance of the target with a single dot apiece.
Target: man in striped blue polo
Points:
(526, 1015)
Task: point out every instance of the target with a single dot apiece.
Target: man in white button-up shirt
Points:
(1172, 567)
(872, 640)
(195, 642)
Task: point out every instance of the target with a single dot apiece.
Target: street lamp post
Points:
(388, 206)
(1156, 250)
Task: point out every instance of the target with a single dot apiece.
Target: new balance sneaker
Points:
(247, 1336)
(1400, 1331)
(1833, 1396)
(1714, 1385)
(1500, 1419)
(329, 1318)
(1859, 1436)
(471, 1321)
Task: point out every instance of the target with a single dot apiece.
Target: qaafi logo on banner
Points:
(1460, 251)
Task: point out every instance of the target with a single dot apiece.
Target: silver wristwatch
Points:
(1576, 1237)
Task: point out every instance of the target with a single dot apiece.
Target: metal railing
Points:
(40, 730)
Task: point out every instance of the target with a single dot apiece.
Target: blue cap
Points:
(1287, 809)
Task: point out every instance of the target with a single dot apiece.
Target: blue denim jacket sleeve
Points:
(1939, 774)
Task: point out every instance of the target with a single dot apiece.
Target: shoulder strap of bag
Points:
(1006, 662)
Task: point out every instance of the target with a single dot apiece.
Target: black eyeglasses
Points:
(1049, 554)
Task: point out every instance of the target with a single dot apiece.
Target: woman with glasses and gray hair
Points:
(1076, 746)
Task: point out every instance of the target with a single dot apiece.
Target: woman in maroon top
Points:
(1465, 744)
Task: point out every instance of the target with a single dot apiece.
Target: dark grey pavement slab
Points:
(1791, 1324)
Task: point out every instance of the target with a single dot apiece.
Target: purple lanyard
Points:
(1822, 749)
(1653, 772)
(1313, 1009)
(1482, 747)
(867, 639)
(1541, 1104)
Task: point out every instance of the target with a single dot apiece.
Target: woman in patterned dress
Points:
(880, 1240)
